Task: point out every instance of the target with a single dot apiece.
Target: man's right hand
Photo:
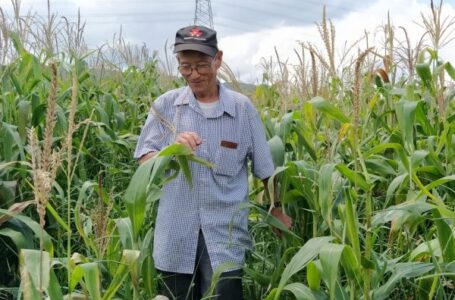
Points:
(189, 139)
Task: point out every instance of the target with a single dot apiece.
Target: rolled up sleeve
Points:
(153, 135)
(260, 155)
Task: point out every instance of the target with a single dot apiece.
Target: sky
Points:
(248, 30)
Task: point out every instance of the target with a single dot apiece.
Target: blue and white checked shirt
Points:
(232, 133)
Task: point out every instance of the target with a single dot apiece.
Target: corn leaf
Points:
(277, 149)
(35, 267)
(399, 272)
(328, 109)
(450, 70)
(125, 230)
(329, 256)
(92, 282)
(54, 291)
(302, 292)
(424, 72)
(129, 259)
(352, 223)
(354, 177)
(325, 196)
(313, 276)
(308, 252)
(136, 195)
(406, 114)
(34, 226)
(445, 237)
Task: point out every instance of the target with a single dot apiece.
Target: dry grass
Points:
(100, 218)
(327, 32)
(441, 32)
(314, 72)
(408, 53)
(302, 82)
(357, 91)
(439, 28)
(45, 162)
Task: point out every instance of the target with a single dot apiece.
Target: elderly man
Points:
(201, 228)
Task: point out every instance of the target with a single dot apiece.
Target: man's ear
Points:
(219, 59)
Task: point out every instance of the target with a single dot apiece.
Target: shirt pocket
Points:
(226, 161)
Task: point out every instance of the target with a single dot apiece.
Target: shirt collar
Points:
(226, 103)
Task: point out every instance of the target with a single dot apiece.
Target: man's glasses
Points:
(202, 68)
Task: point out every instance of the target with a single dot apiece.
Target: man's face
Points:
(195, 63)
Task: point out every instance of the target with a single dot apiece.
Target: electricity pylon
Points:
(203, 13)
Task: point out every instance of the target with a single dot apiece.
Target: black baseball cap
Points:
(196, 38)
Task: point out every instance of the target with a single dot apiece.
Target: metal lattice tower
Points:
(203, 13)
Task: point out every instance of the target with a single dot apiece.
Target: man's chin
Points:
(198, 86)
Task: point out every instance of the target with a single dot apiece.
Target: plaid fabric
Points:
(231, 134)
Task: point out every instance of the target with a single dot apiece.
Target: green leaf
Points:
(352, 223)
(175, 149)
(450, 70)
(302, 292)
(351, 265)
(17, 43)
(125, 230)
(80, 228)
(329, 256)
(10, 137)
(91, 276)
(427, 248)
(23, 112)
(16, 84)
(445, 237)
(328, 109)
(393, 186)
(306, 144)
(76, 277)
(129, 259)
(271, 183)
(35, 267)
(437, 183)
(401, 212)
(354, 177)
(424, 72)
(17, 237)
(136, 195)
(224, 267)
(406, 113)
(398, 149)
(325, 191)
(86, 186)
(34, 226)
(54, 291)
(201, 161)
(313, 276)
(183, 162)
(399, 272)
(258, 277)
(307, 253)
(277, 149)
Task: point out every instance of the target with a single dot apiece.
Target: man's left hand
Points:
(282, 217)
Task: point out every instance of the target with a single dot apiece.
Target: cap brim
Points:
(196, 47)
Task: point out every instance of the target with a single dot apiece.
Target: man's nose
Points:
(194, 73)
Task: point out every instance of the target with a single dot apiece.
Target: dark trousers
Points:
(177, 286)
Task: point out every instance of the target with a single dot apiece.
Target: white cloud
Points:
(244, 52)
(248, 32)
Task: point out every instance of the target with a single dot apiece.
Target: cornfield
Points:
(364, 150)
